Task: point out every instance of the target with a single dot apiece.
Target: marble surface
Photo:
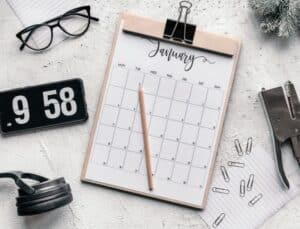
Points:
(265, 61)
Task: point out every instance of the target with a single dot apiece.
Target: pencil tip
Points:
(141, 87)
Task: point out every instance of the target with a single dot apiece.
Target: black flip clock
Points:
(44, 105)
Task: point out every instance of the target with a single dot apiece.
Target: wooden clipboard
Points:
(142, 26)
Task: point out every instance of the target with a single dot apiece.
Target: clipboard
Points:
(96, 168)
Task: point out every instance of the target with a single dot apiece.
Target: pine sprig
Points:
(281, 17)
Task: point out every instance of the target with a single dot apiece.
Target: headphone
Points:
(44, 196)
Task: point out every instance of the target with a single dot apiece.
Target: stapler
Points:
(282, 109)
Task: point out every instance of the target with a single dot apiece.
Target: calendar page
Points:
(185, 95)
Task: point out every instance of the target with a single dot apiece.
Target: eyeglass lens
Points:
(75, 23)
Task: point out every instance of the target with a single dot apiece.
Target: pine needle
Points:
(281, 17)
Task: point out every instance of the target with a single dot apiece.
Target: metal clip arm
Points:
(179, 30)
(278, 155)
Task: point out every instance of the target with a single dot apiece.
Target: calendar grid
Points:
(127, 171)
(138, 153)
(103, 124)
(109, 153)
(208, 88)
(196, 138)
(166, 124)
(151, 112)
(198, 125)
(182, 123)
(135, 113)
(175, 157)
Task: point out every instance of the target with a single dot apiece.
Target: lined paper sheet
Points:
(231, 211)
(32, 12)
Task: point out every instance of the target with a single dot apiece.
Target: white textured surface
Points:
(264, 61)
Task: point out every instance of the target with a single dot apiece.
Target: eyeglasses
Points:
(74, 23)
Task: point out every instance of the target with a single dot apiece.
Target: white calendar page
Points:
(185, 92)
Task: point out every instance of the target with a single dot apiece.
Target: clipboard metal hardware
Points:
(282, 109)
(181, 31)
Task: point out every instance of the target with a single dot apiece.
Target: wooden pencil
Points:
(146, 138)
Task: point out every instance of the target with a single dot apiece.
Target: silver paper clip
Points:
(250, 182)
(249, 146)
(238, 147)
(218, 220)
(236, 164)
(242, 188)
(255, 199)
(225, 174)
(220, 190)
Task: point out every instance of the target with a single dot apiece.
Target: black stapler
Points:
(282, 109)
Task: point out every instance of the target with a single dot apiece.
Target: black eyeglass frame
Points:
(71, 12)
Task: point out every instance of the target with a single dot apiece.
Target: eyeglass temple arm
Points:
(83, 15)
(91, 17)
(94, 18)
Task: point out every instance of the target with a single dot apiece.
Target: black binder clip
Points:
(181, 31)
(283, 113)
